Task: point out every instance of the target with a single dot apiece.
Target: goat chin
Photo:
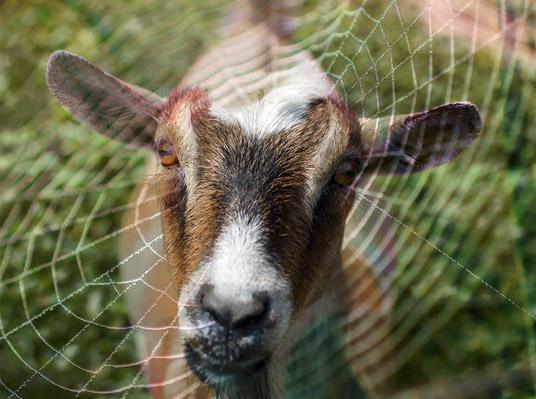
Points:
(262, 385)
(258, 386)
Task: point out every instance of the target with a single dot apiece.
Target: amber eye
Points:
(346, 172)
(166, 152)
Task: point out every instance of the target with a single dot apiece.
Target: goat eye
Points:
(346, 172)
(167, 154)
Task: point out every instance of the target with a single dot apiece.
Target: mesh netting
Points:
(452, 249)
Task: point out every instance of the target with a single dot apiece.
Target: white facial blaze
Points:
(239, 258)
(240, 268)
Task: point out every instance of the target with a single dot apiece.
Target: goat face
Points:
(254, 202)
(251, 217)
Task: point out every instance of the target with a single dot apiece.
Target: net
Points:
(456, 267)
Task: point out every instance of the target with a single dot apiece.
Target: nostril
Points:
(211, 305)
(206, 289)
(238, 312)
(256, 317)
(224, 318)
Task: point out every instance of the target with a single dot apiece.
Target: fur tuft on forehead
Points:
(279, 110)
(192, 101)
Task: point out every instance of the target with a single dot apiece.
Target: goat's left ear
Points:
(412, 143)
(102, 102)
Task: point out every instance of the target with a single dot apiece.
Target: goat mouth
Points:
(210, 370)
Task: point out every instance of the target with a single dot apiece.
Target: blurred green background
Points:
(64, 190)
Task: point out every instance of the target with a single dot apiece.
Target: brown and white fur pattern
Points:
(252, 217)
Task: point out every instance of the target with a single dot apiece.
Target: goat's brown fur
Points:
(281, 179)
(270, 174)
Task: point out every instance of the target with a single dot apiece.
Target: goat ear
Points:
(102, 102)
(411, 143)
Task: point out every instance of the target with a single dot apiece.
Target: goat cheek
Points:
(173, 203)
(173, 191)
(338, 204)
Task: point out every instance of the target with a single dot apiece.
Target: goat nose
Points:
(238, 312)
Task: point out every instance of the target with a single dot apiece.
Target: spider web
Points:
(459, 290)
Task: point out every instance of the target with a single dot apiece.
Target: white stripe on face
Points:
(240, 265)
(239, 268)
(238, 255)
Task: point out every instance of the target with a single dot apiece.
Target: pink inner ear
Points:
(194, 97)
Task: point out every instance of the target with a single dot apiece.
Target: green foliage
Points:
(65, 191)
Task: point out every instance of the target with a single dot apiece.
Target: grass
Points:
(65, 189)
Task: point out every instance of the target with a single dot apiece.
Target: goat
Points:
(252, 191)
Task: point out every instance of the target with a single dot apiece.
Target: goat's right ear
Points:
(102, 102)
